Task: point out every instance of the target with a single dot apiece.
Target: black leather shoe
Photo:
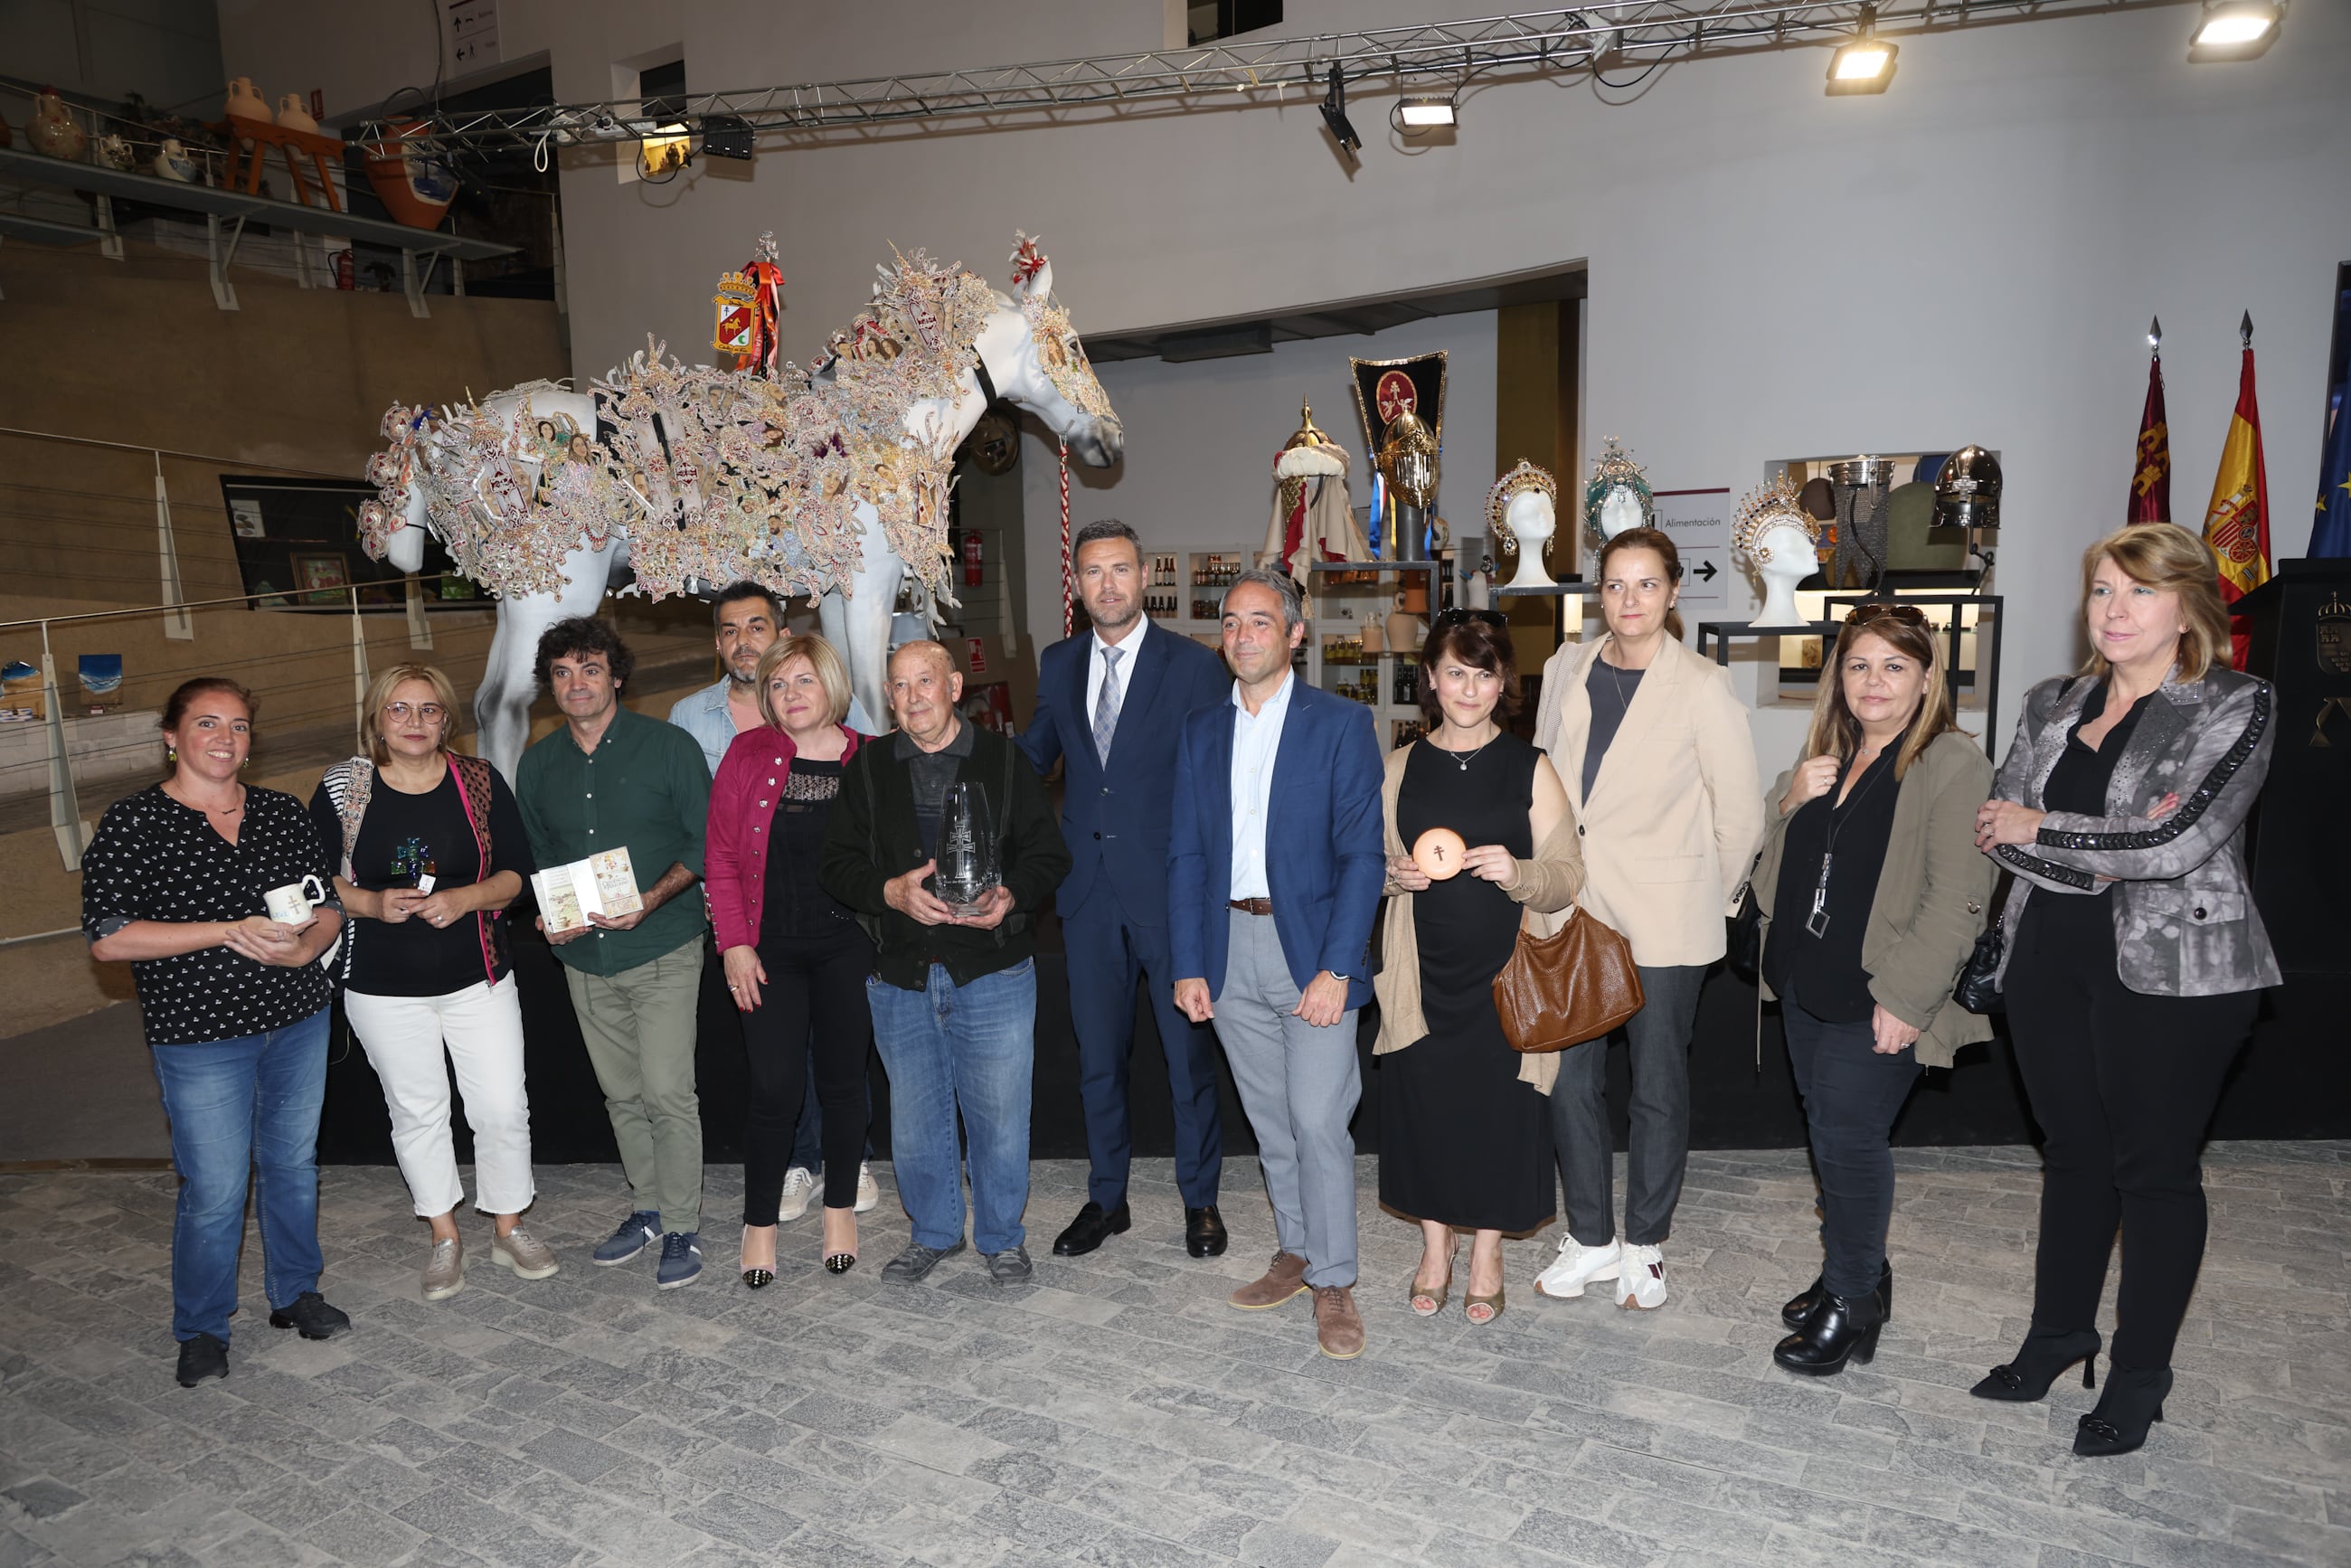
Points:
(2133, 1401)
(310, 1313)
(1841, 1329)
(1090, 1229)
(2044, 1354)
(202, 1358)
(1799, 1308)
(1204, 1232)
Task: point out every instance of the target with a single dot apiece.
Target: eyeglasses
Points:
(1878, 609)
(1493, 618)
(431, 713)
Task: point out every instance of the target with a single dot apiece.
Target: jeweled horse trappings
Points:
(667, 478)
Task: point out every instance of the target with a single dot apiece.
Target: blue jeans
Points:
(248, 1103)
(968, 1048)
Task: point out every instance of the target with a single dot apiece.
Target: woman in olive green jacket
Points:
(1873, 896)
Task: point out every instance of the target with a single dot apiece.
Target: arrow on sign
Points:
(1706, 570)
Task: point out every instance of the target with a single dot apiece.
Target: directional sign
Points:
(1698, 522)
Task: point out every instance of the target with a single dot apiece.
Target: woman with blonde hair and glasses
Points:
(795, 958)
(1872, 894)
(430, 849)
(2134, 956)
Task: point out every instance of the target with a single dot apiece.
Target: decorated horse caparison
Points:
(672, 479)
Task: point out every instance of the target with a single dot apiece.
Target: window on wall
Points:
(662, 88)
(1222, 19)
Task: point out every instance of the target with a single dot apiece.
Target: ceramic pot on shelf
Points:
(293, 116)
(243, 102)
(173, 163)
(52, 131)
(111, 152)
(414, 183)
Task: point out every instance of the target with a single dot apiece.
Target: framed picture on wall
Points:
(323, 576)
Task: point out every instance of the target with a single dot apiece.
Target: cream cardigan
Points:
(1546, 885)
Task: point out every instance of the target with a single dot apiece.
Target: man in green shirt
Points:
(609, 779)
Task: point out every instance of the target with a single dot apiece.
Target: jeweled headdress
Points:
(1525, 476)
(1775, 505)
(1614, 469)
(1059, 349)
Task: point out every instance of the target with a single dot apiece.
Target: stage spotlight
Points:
(2233, 30)
(1865, 64)
(1334, 114)
(1425, 113)
(727, 136)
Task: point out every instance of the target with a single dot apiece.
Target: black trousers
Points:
(1852, 1095)
(813, 1009)
(2123, 1085)
(1656, 1043)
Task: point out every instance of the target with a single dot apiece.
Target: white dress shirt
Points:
(1096, 664)
(1257, 738)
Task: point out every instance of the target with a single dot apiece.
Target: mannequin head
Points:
(1620, 510)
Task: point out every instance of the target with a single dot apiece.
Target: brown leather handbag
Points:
(1572, 987)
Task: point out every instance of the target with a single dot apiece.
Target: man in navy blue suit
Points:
(1110, 704)
(1274, 873)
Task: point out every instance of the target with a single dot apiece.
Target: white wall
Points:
(1972, 256)
(1201, 439)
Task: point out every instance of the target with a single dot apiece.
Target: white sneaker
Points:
(1576, 1267)
(869, 1191)
(799, 1184)
(1641, 1281)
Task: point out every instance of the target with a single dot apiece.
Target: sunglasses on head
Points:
(1493, 618)
(1877, 610)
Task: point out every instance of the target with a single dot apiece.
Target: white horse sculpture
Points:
(830, 483)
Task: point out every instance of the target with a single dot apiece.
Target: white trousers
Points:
(481, 1028)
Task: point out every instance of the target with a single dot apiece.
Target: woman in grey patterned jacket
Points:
(2134, 956)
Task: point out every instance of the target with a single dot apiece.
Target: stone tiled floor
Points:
(1118, 1413)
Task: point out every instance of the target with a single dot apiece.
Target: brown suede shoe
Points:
(1338, 1327)
(1285, 1279)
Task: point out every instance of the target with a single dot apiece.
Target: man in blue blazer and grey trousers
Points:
(1110, 704)
(1273, 880)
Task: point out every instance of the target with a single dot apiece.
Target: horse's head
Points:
(1033, 355)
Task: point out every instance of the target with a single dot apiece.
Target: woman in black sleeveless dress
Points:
(1465, 1134)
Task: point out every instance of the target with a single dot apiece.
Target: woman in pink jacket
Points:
(796, 960)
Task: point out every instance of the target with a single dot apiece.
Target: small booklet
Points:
(604, 883)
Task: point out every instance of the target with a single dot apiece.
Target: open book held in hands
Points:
(604, 883)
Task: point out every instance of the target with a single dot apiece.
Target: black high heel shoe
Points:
(757, 1278)
(2133, 1401)
(2044, 1354)
(1841, 1329)
(1800, 1307)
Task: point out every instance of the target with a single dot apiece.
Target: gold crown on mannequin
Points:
(1525, 476)
(1776, 505)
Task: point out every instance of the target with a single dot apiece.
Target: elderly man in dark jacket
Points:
(953, 994)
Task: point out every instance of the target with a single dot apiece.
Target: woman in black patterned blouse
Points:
(234, 1005)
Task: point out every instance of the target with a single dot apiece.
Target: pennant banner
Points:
(2237, 522)
(2150, 497)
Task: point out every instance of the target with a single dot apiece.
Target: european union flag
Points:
(2330, 535)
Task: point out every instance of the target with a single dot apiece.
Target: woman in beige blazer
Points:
(1872, 898)
(1653, 748)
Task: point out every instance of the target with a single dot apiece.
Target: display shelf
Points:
(225, 214)
(1370, 677)
(1974, 683)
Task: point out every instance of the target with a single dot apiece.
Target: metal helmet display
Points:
(1967, 491)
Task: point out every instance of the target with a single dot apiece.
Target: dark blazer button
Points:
(1098, 835)
(2199, 914)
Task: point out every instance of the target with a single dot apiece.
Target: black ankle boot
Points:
(2044, 1354)
(1799, 1308)
(2132, 1402)
(1841, 1329)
